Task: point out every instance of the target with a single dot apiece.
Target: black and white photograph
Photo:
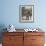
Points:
(26, 13)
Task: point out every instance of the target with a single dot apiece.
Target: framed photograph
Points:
(26, 13)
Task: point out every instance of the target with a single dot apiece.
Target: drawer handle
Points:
(11, 38)
(33, 39)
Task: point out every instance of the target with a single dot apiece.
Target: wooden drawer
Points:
(37, 39)
(33, 39)
(13, 44)
(34, 33)
(8, 45)
(37, 45)
(27, 41)
(13, 33)
(12, 39)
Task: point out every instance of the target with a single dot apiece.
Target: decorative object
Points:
(11, 28)
(32, 30)
(26, 13)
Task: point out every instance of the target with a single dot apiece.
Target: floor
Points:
(0, 44)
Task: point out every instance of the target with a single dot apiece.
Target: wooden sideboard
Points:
(23, 38)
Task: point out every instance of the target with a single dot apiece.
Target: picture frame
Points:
(26, 13)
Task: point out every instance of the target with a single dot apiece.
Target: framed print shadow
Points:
(26, 13)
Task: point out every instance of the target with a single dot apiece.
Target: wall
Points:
(10, 13)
